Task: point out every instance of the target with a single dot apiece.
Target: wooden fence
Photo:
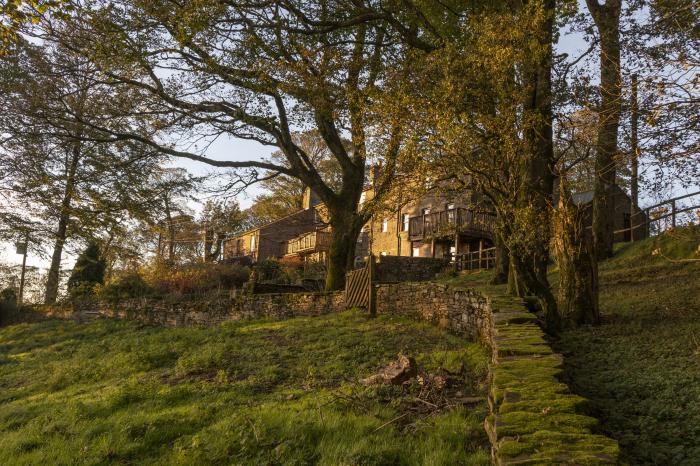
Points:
(482, 259)
(660, 217)
(359, 291)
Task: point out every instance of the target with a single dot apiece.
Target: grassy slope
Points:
(240, 393)
(641, 368)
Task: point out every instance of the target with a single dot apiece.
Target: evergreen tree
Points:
(89, 268)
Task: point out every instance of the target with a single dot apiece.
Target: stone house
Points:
(300, 233)
(623, 218)
(431, 225)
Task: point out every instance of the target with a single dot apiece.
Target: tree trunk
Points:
(578, 266)
(634, 160)
(607, 20)
(530, 228)
(51, 291)
(502, 261)
(345, 228)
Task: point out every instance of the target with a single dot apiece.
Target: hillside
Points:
(641, 368)
(250, 392)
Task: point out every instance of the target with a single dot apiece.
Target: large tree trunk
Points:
(51, 291)
(346, 226)
(578, 266)
(607, 20)
(530, 229)
(502, 265)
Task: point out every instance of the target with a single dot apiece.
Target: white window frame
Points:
(253, 243)
(385, 225)
(406, 220)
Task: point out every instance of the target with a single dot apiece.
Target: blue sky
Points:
(236, 149)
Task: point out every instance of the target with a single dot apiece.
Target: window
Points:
(404, 218)
(385, 225)
(253, 243)
(415, 252)
(362, 197)
(426, 211)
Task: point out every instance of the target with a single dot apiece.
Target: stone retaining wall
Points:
(534, 418)
(402, 268)
(210, 311)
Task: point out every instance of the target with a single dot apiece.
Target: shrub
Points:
(268, 270)
(89, 270)
(83, 291)
(127, 286)
(8, 304)
(198, 278)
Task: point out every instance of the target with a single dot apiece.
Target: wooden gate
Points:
(359, 291)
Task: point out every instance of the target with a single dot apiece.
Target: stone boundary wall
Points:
(534, 418)
(205, 312)
(413, 269)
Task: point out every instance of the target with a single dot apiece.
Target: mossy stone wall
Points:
(212, 311)
(534, 418)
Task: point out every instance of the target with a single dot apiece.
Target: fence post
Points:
(673, 213)
(371, 298)
(481, 254)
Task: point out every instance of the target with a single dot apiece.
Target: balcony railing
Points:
(309, 242)
(449, 221)
(243, 252)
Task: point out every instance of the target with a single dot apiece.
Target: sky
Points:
(238, 149)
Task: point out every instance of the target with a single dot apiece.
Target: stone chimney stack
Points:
(310, 199)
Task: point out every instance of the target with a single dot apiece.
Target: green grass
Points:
(264, 392)
(640, 369)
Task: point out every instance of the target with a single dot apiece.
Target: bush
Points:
(89, 270)
(83, 291)
(268, 270)
(198, 278)
(127, 286)
(8, 304)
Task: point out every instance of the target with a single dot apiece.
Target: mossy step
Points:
(513, 317)
(556, 403)
(552, 447)
(514, 348)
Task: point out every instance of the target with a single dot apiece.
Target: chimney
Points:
(310, 199)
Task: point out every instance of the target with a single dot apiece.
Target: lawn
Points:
(253, 392)
(640, 369)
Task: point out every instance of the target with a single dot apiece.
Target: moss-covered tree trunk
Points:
(578, 266)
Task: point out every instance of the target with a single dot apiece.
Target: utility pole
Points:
(634, 162)
(22, 249)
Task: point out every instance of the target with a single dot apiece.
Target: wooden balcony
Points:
(243, 252)
(316, 241)
(450, 221)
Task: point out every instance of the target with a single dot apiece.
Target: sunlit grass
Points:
(241, 393)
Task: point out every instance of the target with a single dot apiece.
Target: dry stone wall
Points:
(534, 418)
(414, 269)
(210, 311)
